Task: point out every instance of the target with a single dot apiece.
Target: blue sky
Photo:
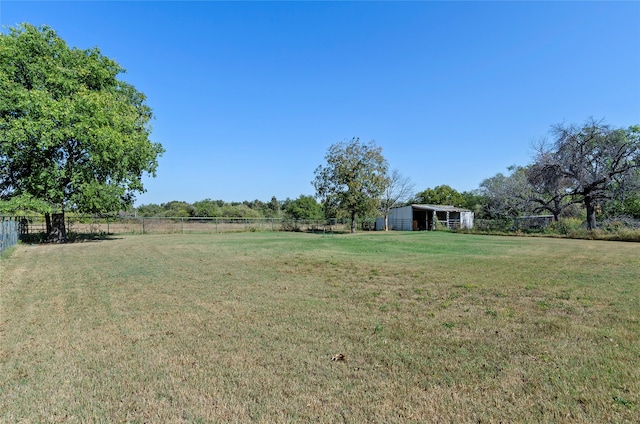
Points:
(248, 96)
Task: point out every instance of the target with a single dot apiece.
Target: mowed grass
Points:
(434, 327)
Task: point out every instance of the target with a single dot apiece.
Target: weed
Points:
(446, 304)
(623, 402)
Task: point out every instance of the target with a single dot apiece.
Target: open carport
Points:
(427, 217)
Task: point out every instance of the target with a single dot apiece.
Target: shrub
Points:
(566, 226)
(290, 225)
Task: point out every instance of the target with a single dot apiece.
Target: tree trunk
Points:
(556, 210)
(386, 222)
(353, 222)
(591, 212)
(47, 219)
(56, 230)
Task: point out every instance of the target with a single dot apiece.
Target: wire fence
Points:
(33, 228)
(34, 225)
(9, 233)
(493, 224)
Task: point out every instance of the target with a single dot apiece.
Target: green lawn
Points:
(434, 327)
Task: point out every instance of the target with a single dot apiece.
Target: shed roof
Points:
(439, 208)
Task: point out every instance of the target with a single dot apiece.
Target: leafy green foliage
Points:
(440, 195)
(238, 211)
(304, 207)
(507, 195)
(208, 207)
(178, 209)
(353, 179)
(74, 137)
(474, 201)
(22, 205)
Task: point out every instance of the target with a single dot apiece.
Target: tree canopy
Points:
(353, 179)
(304, 208)
(593, 163)
(440, 195)
(507, 196)
(73, 135)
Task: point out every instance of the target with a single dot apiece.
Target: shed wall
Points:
(408, 219)
(466, 220)
(401, 218)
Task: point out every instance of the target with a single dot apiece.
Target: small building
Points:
(427, 217)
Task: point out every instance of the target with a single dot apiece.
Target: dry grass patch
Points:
(242, 328)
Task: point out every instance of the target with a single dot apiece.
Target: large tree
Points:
(549, 189)
(593, 160)
(71, 133)
(353, 179)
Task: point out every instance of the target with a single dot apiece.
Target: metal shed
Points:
(427, 217)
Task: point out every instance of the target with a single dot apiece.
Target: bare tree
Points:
(549, 188)
(397, 191)
(592, 161)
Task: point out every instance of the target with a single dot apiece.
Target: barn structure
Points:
(427, 217)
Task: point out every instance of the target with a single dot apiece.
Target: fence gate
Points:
(9, 232)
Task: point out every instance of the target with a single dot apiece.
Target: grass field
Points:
(434, 327)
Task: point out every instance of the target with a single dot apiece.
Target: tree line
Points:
(590, 169)
(302, 208)
(76, 138)
(586, 171)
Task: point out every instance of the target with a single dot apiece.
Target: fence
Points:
(35, 224)
(9, 230)
(33, 228)
(536, 222)
(493, 224)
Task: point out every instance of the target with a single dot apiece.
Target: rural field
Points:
(432, 326)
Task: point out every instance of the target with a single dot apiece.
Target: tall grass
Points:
(434, 327)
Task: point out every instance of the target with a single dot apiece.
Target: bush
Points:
(565, 226)
(290, 225)
(620, 223)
